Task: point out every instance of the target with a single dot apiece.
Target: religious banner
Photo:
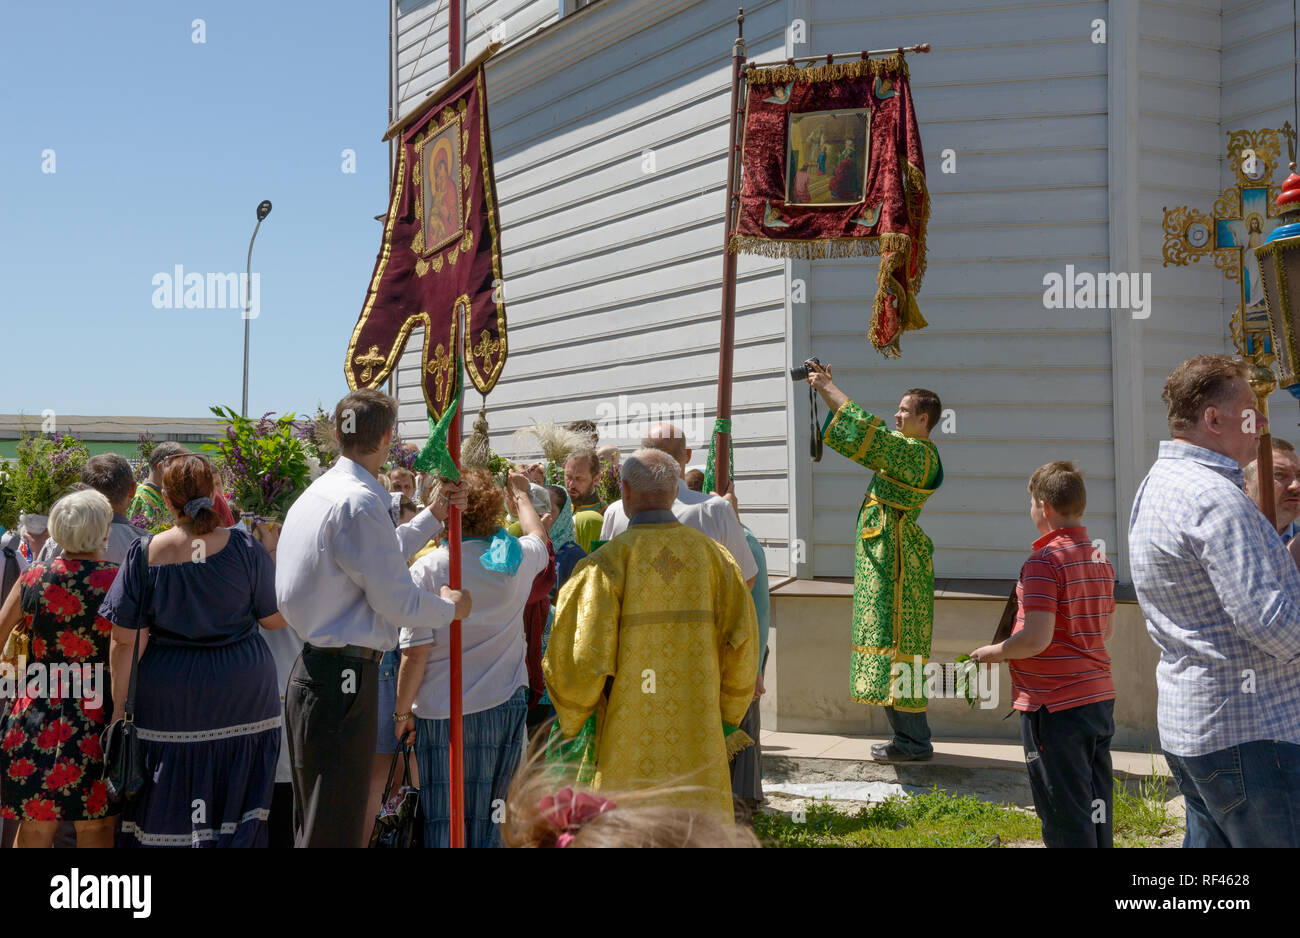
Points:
(440, 262)
(833, 167)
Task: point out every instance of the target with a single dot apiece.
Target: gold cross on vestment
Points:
(667, 565)
(369, 362)
(486, 348)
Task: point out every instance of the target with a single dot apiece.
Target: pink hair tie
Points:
(568, 810)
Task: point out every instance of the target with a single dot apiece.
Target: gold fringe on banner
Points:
(820, 247)
(916, 183)
(855, 68)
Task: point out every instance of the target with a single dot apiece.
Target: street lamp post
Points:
(263, 209)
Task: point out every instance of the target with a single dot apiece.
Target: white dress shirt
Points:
(709, 514)
(492, 638)
(285, 644)
(340, 576)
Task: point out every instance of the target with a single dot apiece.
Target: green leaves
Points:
(46, 470)
(265, 462)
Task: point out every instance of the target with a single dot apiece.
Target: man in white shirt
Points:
(342, 584)
(709, 514)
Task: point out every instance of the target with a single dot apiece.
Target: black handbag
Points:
(124, 770)
(400, 822)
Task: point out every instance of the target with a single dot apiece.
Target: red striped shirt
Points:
(1066, 576)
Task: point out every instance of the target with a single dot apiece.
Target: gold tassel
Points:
(857, 68)
(476, 452)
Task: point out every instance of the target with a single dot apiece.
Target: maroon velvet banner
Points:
(440, 262)
(833, 167)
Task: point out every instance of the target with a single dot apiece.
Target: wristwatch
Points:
(402, 717)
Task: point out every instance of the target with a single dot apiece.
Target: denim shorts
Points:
(386, 741)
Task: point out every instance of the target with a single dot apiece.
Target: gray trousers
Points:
(331, 708)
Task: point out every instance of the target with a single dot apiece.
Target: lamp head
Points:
(263, 209)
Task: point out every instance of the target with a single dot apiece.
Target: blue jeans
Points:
(1243, 796)
(911, 732)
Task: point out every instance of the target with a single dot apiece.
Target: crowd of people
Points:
(278, 670)
(612, 652)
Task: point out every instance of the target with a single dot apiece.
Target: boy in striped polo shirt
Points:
(1060, 671)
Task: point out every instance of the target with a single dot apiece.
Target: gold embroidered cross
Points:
(667, 565)
(440, 367)
(368, 362)
(486, 348)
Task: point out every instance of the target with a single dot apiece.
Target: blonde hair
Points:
(636, 819)
(79, 522)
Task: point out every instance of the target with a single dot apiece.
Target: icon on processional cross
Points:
(1242, 218)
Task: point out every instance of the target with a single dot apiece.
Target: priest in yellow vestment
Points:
(655, 632)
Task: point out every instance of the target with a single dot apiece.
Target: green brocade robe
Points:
(893, 567)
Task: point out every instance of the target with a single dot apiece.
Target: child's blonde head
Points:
(536, 816)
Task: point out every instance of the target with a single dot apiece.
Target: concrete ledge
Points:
(991, 771)
(947, 588)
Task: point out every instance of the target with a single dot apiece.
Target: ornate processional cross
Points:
(1242, 218)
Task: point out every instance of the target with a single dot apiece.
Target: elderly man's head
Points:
(1211, 405)
(1286, 483)
(649, 481)
(668, 439)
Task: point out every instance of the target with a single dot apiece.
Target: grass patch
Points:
(1142, 815)
(940, 819)
(933, 819)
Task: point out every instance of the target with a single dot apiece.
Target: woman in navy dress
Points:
(207, 703)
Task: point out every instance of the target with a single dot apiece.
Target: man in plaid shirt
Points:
(1221, 597)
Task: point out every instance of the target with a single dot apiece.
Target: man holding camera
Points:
(893, 578)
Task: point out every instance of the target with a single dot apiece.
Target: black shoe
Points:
(888, 752)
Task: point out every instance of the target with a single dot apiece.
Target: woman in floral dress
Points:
(51, 764)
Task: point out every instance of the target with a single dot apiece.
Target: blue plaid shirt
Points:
(1221, 597)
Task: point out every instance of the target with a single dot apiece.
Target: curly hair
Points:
(487, 507)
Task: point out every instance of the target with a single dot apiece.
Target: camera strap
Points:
(815, 438)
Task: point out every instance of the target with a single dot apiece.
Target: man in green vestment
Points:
(893, 569)
(148, 502)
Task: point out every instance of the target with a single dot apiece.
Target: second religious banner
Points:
(440, 262)
(832, 168)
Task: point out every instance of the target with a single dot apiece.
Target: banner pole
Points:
(456, 721)
(456, 756)
(727, 341)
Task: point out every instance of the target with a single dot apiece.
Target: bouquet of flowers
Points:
(556, 443)
(607, 482)
(144, 445)
(47, 469)
(317, 435)
(265, 463)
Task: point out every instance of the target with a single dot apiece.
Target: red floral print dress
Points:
(51, 763)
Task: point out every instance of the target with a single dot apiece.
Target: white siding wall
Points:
(1258, 92)
(613, 273)
(1018, 91)
(1182, 140)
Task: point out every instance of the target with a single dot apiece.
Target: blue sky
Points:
(163, 148)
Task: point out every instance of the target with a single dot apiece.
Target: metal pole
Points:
(727, 342)
(248, 287)
(830, 57)
(456, 757)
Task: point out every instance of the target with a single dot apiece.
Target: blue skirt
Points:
(210, 722)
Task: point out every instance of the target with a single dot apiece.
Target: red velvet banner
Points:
(833, 167)
(440, 262)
